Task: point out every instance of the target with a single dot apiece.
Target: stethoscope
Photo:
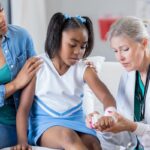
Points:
(130, 144)
(145, 92)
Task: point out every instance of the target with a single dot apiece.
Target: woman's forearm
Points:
(108, 100)
(26, 74)
(10, 88)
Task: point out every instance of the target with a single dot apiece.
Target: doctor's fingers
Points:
(105, 121)
(113, 129)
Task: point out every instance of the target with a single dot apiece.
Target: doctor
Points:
(129, 39)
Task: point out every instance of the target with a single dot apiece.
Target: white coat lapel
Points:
(147, 105)
(129, 93)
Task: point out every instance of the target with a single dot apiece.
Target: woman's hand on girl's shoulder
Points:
(28, 71)
(90, 64)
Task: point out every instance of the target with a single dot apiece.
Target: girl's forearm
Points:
(108, 101)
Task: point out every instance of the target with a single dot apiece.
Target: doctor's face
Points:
(128, 52)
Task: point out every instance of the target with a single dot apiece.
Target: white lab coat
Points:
(125, 106)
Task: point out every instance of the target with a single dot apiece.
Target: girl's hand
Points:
(88, 119)
(27, 72)
(23, 146)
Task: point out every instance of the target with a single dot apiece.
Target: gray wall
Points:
(34, 15)
(6, 8)
(94, 9)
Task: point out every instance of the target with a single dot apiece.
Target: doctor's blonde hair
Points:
(129, 26)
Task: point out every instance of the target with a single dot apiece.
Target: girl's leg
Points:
(61, 137)
(91, 142)
(8, 136)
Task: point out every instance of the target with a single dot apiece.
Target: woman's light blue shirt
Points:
(17, 47)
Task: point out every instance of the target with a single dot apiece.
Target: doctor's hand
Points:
(121, 124)
(104, 122)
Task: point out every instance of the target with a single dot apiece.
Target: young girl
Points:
(56, 117)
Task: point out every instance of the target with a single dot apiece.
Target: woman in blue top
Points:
(15, 48)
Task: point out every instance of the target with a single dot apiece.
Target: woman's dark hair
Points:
(1, 7)
(60, 23)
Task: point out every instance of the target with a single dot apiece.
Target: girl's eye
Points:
(72, 45)
(115, 51)
(84, 46)
(126, 49)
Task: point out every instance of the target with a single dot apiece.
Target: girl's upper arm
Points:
(92, 79)
(98, 87)
(27, 95)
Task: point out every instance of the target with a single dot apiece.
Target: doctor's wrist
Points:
(132, 126)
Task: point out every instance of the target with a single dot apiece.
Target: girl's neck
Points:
(59, 65)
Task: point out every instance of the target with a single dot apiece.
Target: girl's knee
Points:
(69, 136)
(94, 143)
